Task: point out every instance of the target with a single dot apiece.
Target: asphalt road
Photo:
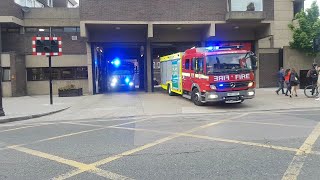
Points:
(260, 145)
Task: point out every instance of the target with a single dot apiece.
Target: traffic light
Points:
(47, 46)
(54, 46)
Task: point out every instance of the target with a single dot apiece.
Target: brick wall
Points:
(21, 43)
(155, 10)
(9, 8)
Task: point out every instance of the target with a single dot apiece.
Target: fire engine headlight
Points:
(213, 96)
(114, 80)
(250, 84)
(251, 93)
(131, 84)
(213, 87)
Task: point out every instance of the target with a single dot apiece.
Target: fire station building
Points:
(140, 31)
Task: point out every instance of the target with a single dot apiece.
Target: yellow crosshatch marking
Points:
(297, 163)
(81, 166)
(141, 148)
(291, 174)
(269, 146)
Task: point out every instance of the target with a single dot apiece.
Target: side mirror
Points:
(254, 61)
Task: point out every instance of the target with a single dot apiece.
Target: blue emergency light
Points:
(127, 80)
(116, 62)
(212, 48)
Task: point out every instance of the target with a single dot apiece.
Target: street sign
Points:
(47, 46)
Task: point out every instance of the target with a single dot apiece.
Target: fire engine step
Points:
(186, 96)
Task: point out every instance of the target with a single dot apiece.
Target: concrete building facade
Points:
(142, 30)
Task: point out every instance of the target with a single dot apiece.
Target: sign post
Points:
(47, 46)
(50, 80)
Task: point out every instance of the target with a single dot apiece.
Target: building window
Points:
(71, 29)
(36, 30)
(297, 7)
(246, 5)
(57, 30)
(158, 65)
(187, 64)
(6, 74)
(13, 30)
(64, 73)
(29, 3)
(81, 73)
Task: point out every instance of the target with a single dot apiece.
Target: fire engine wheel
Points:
(170, 91)
(196, 97)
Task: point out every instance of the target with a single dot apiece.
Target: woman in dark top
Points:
(294, 82)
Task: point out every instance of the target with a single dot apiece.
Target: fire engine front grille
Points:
(232, 85)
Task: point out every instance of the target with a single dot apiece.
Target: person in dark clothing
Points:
(287, 81)
(281, 81)
(294, 82)
(313, 76)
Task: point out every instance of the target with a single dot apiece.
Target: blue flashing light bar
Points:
(212, 48)
(216, 48)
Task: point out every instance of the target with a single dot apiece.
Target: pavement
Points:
(131, 104)
(28, 107)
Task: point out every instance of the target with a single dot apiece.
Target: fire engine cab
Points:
(210, 74)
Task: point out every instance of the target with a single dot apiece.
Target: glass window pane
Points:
(57, 29)
(246, 5)
(67, 73)
(6, 75)
(70, 29)
(187, 64)
(30, 29)
(13, 30)
(82, 73)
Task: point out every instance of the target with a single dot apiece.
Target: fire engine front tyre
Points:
(196, 97)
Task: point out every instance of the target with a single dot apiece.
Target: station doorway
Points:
(105, 54)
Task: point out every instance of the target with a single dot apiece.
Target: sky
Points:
(307, 3)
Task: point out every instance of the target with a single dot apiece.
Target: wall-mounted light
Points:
(118, 28)
(41, 30)
(178, 28)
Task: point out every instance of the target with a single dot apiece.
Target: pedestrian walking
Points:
(280, 81)
(287, 81)
(312, 76)
(318, 83)
(294, 82)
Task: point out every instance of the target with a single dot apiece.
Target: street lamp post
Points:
(1, 107)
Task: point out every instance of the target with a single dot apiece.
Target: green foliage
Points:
(307, 29)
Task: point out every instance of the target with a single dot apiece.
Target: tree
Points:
(307, 30)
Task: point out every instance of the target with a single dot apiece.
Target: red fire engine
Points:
(210, 74)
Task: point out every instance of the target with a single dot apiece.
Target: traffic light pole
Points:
(1, 107)
(50, 80)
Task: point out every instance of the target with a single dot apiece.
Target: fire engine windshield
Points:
(228, 62)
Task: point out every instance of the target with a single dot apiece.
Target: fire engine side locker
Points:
(171, 72)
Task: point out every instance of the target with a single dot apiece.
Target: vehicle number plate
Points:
(233, 94)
